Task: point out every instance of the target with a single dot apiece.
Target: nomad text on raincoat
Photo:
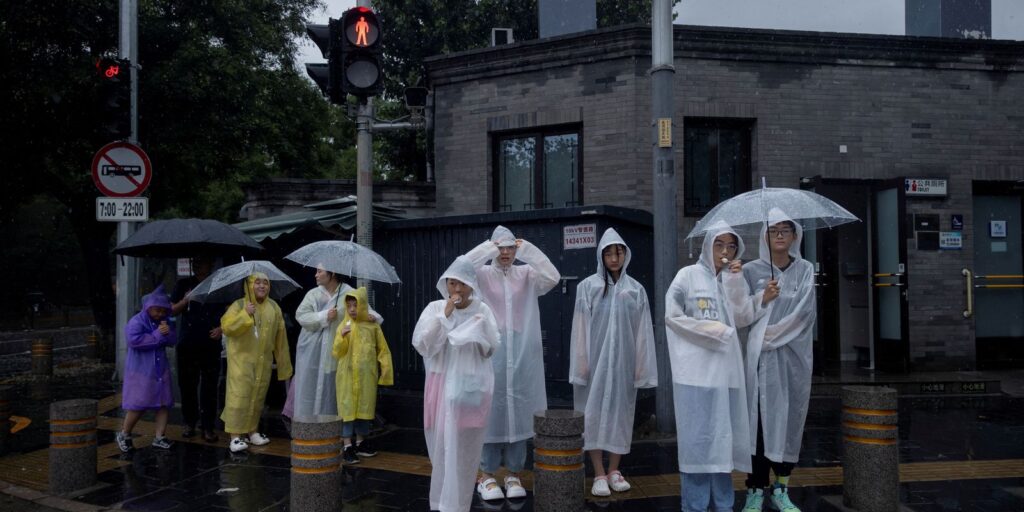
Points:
(707, 365)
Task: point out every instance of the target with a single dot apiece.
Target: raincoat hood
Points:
(611, 237)
(503, 237)
(250, 282)
(776, 216)
(157, 299)
(707, 251)
(362, 304)
(463, 270)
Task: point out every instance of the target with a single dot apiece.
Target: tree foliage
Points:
(220, 104)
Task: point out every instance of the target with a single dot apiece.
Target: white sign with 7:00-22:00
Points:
(122, 209)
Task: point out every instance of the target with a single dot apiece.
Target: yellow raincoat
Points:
(253, 342)
(364, 362)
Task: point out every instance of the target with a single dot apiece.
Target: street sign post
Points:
(121, 169)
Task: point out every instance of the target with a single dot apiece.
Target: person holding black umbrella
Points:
(198, 352)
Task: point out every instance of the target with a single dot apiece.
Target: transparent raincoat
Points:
(312, 392)
(512, 295)
(712, 422)
(253, 344)
(363, 360)
(611, 353)
(780, 351)
(458, 389)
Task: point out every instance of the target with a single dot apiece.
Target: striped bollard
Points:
(42, 357)
(72, 445)
(5, 417)
(316, 466)
(558, 478)
(871, 476)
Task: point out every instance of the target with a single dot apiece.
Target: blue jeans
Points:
(706, 491)
(515, 456)
(361, 427)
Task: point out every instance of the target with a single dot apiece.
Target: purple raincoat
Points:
(147, 374)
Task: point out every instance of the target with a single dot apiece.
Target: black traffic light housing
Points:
(115, 97)
(328, 76)
(363, 74)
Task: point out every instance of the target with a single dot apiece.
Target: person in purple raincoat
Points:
(147, 373)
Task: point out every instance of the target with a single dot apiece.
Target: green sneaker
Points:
(779, 499)
(755, 500)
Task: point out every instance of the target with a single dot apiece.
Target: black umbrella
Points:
(188, 238)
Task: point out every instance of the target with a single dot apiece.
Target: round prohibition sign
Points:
(121, 169)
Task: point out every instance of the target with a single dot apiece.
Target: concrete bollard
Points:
(316, 466)
(5, 417)
(72, 445)
(42, 357)
(558, 478)
(871, 475)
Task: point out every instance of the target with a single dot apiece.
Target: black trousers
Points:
(759, 479)
(198, 373)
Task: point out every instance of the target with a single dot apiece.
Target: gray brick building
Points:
(565, 121)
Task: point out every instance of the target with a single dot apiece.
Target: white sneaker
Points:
(238, 445)
(618, 482)
(514, 488)
(600, 487)
(258, 439)
(489, 490)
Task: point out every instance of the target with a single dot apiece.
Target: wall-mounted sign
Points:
(579, 236)
(664, 132)
(924, 187)
(956, 222)
(997, 228)
(951, 240)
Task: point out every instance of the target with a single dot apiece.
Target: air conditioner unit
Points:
(500, 36)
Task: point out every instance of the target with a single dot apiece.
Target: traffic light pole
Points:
(128, 271)
(664, 184)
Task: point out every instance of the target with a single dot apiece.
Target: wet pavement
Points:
(957, 452)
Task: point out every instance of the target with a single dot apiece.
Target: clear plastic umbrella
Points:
(747, 212)
(348, 258)
(228, 284)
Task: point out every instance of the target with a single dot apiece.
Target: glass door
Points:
(891, 344)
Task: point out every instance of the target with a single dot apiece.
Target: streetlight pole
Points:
(664, 191)
(128, 270)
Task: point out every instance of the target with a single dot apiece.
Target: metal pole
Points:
(128, 272)
(364, 171)
(664, 191)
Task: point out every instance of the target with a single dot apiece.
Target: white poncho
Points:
(611, 353)
(780, 348)
(707, 366)
(512, 294)
(458, 389)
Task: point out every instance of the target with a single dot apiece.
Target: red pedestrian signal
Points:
(363, 73)
(114, 98)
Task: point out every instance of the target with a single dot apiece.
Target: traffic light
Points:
(361, 51)
(328, 76)
(115, 97)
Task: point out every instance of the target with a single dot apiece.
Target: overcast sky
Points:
(860, 16)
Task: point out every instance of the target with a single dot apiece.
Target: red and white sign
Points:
(121, 169)
(579, 236)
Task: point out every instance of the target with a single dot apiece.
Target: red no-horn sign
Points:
(121, 169)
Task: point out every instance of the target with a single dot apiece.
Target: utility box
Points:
(422, 249)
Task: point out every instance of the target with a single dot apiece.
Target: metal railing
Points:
(970, 285)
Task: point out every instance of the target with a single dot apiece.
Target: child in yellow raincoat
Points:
(364, 362)
(256, 337)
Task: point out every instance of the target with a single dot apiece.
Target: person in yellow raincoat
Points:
(364, 362)
(256, 337)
